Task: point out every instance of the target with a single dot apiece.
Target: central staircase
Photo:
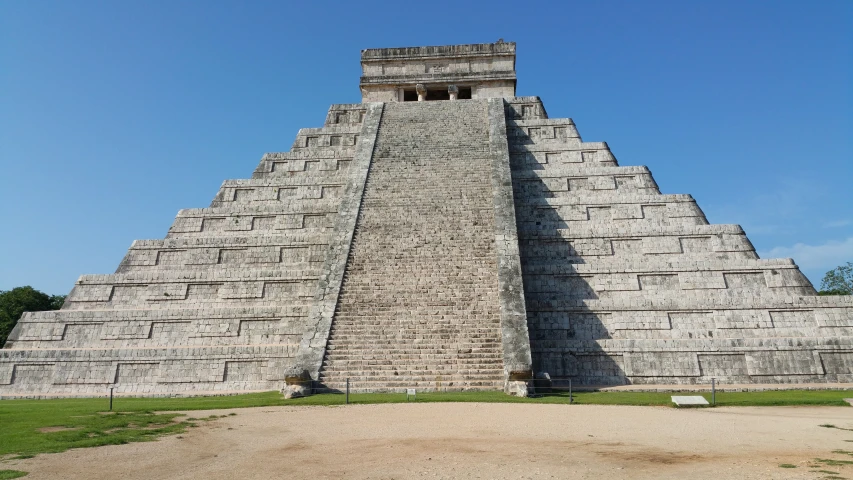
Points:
(419, 305)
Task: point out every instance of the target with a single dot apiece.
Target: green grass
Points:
(31, 427)
(730, 399)
(787, 465)
(10, 474)
(833, 463)
(82, 422)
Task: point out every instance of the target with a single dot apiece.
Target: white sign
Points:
(684, 401)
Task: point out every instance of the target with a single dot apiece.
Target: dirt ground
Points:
(464, 440)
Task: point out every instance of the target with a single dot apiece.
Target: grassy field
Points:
(30, 427)
(10, 474)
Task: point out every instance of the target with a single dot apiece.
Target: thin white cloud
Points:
(837, 223)
(827, 256)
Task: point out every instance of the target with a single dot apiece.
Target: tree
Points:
(57, 301)
(14, 302)
(838, 281)
(6, 326)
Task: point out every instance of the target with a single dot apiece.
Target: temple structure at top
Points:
(464, 241)
(484, 70)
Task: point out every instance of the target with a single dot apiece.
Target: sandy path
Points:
(449, 440)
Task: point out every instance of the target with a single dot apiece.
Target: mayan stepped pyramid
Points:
(443, 234)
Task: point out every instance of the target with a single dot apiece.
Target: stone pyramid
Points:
(443, 234)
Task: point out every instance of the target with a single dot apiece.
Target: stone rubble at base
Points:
(437, 245)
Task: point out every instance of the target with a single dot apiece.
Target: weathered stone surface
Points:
(460, 244)
(626, 285)
(420, 305)
(485, 70)
(518, 388)
(224, 301)
(296, 391)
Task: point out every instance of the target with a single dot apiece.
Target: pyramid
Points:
(443, 234)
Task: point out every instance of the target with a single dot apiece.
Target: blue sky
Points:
(115, 115)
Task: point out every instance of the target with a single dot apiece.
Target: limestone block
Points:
(602, 183)
(793, 318)
(137, 373)
(90, 293)
(141, 257)
(659, 245)
(659, 281)
(723, 365)
(600, 368)
(627, 211)
(216, 328)
(837, 362)
(233, 290)
(785, 277)
(52, 331)
(616, 282)
(518, 388)
(89, 373)
(7, 369)
(745, 280)
(32, 375)
(662, 364)
(126, 330)
(296, 391)
(834, 317)
(166, 292)
(639, 320)
(742, 319)
(244, 370)
(784, 362)
(187, 224)
(630, 247)
(191, 371)
(728, 242)
(701, 280)
(696, 320)
(592, 246)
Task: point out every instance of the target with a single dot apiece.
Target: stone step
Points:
(391, 365)
(433, 317)
(397, 318)
(343, 335)
(400, 380)
(393, 332)
(367, 368)
(355, 342)
(355, 377)
(399, 387)
(420, 287)
(448, 357)
(421, 351)
(416, 348)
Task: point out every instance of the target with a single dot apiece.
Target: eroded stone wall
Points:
(220, 304)
(624, 284)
